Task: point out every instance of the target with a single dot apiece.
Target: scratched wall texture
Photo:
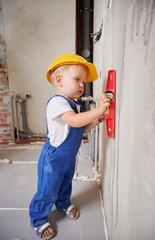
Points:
(127, 162)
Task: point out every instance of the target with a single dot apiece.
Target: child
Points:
(66, 124)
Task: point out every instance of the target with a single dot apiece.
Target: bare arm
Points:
(85, 118)
(94, 124)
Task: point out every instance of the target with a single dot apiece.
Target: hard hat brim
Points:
(73, 59)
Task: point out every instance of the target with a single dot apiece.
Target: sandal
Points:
(68, 212)
(40, 230)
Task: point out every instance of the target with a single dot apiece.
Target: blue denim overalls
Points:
(56, 169)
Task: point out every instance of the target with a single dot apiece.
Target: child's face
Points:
(73, 80)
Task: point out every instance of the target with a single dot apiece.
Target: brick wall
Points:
(5, 102)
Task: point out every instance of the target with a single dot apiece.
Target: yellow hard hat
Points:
(71, 58)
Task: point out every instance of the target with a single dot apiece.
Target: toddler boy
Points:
(66, 123)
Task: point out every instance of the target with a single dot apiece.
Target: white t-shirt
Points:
(57, 129)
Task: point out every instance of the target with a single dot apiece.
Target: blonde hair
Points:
(60, 69)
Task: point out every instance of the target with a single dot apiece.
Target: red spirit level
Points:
(110, 113)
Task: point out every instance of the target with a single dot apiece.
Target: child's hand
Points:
(104, 102)
(101, 119)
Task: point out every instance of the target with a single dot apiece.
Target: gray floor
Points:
(18, 180)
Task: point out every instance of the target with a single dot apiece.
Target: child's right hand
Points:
(104, 102)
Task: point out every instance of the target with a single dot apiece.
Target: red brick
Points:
(2, 66)
(4, 125)
(3, 76)
(3, 72)
(3, 94)
(3, 120)
(4, 110)
(7, 130)
(3, 82)
(5, 114)
(3, 105)
(5, 135)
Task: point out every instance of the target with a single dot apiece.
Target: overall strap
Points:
(72, 104)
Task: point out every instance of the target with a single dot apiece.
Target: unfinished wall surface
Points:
(36, 32)
(127, 162)
(5, 105)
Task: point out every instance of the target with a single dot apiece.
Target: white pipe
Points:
(26, 133)
(16, 118)
(103, 212)
(12, 123)
(96, 148)
(90, 98)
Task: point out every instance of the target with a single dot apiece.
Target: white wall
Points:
(127, 162)
(36, 32)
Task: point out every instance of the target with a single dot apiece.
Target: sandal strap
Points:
(40, 230)
(69, 209)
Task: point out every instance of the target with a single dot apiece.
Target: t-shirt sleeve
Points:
(57, 106)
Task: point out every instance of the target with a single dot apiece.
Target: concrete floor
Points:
(18, 180)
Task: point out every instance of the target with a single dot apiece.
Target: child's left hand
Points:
(94, 123)
(101, 119)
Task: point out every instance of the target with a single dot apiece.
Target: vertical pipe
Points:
(24, 118)
(86, 10)
(16, 117)
(12, 125)
(92, 106)
(96, 148)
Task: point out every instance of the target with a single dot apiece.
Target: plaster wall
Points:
(127, 162)
(36, 32)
